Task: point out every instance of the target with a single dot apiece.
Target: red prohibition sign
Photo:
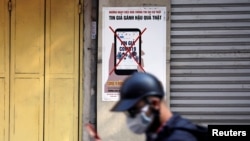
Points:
(128, 51)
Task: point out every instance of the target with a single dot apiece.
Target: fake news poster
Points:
(133, 40)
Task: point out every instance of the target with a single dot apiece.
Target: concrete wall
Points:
(89, 66)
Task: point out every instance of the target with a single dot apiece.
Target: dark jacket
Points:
(176, 129)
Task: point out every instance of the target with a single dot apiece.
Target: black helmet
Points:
(136, 87)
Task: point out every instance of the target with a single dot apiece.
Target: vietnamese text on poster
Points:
(133, 40)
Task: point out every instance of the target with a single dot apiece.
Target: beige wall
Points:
(111, 126)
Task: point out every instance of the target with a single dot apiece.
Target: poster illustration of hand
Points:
(133, 40)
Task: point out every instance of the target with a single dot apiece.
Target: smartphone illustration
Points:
(127, 52)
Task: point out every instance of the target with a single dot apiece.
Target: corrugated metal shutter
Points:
(210, 60)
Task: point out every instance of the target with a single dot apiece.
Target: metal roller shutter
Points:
(210, 60)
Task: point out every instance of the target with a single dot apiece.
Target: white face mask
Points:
(140, 122)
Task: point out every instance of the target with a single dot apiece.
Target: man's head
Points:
(140, 97)
(137, 87)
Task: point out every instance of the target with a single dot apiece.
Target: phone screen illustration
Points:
(127, 50)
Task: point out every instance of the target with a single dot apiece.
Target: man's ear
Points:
(155, 102)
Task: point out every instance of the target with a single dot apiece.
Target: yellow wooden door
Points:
(44, 90)
(4, 70)
(62, 70)
(27, 70)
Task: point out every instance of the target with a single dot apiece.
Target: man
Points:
(141, 99)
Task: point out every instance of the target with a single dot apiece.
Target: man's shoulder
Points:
(179, 127)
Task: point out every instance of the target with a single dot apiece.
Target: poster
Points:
(133, 39)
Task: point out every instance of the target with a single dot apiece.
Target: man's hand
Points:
(92, 132)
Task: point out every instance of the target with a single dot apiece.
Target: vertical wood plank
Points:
(4, 71)
(27, 70)
(61, 70)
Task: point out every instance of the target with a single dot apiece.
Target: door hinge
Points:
(9, 5)
(79, 8)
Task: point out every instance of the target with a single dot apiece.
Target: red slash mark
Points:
(128, 50)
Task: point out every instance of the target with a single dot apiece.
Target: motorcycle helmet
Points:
(136, 87)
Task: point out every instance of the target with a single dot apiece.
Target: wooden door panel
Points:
(4, 70)
(27, 99)
(39, 79)
(63, 36)
(62, 66)
(3, 111)
(62, 110)
(28, 35)
(3, 22)
(27, 70)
